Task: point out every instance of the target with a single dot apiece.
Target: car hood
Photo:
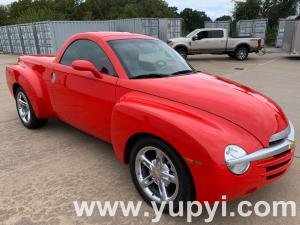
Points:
(181, 39)
(239, 104)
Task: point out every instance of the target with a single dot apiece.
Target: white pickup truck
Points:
(215, 41)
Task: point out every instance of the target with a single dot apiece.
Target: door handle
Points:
(53, 78)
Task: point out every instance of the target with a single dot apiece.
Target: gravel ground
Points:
(43, 171)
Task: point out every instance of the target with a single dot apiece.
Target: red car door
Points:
(80, 98)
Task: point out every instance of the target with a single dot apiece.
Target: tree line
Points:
(24, 11)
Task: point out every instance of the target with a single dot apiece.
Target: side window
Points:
(202, 35)
(215, 34)
(87, 50)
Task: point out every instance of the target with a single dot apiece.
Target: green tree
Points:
(113, 9)
(3, 15)
(224, 18)
(251, 9)
(193, 19)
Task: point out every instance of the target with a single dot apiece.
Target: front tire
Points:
(25, 111)
(159, 174)
(241, 53)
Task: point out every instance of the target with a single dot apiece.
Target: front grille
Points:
(276, 165)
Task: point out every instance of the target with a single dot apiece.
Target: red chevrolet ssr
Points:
(186, 135)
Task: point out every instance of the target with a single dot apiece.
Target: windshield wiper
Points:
(151, 75)
(184, 72)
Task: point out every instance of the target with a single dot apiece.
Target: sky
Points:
(213, 8)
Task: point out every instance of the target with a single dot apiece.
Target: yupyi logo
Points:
(192, 209)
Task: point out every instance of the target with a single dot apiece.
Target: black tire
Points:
(182, 51)
(241, 53)
(30, 122)
(185, 182)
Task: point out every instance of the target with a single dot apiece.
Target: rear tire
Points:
(155, 166)
(25, 111)
(241, 53)
(182, 51)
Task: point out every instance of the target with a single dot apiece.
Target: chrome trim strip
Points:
(274, 149)
(281, 135)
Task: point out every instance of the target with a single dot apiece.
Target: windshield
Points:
(144, 58)
(193, 33)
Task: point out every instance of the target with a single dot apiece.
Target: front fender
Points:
(31, 82)
(192, 132)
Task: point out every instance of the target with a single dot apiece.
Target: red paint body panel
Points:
(199, 115)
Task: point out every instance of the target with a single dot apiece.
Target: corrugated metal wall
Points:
(147, 26)
(47, 37)
(15, 39)
(5, 40)
(28, 35)
(169, 28)
(52, 34)
(163, 28)
(218, 24)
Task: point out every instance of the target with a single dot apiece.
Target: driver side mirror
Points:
(85, 65)
(195, 38)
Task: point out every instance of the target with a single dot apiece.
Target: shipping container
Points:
(291, 39)
(48, 36)
(218, 24)
(281, 29)
(52, 34)
(252, 28)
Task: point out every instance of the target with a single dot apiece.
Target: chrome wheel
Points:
(242, 53)
(23, 107)
(156, 174)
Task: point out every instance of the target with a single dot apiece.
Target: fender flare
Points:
(242, 44)
(181, 45)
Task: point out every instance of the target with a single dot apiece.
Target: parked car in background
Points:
(185, 134)
(215, 41)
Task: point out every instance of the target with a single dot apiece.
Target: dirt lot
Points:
(43, 171)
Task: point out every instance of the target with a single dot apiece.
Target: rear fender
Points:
(30, 81)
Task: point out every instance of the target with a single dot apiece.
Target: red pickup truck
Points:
(186, 135)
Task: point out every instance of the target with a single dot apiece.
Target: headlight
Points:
(235, 152)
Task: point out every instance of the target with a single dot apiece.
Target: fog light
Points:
(233, 152)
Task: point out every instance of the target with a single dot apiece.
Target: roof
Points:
(293, 17)
(116, 35)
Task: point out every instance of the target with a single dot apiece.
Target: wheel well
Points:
(243, 45)
(181, 47)
(131, 141)
(15, 88)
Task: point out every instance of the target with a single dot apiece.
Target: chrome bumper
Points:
(278, 147)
